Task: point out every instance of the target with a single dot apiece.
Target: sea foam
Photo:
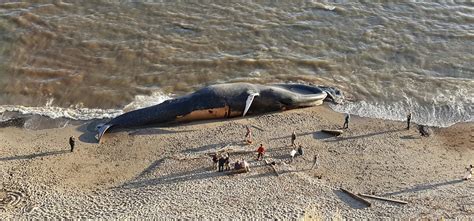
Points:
(74, 113)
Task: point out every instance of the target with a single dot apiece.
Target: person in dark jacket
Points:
(408, 120)
(72, 142)
(293, 138)
(346, 121)
(221, 163)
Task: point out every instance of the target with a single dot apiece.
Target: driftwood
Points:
(232, 149)
(356, 197)
(273, 167)
(383, 198)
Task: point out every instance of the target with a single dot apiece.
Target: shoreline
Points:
(164, 172)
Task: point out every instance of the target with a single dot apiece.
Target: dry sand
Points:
(166, 173)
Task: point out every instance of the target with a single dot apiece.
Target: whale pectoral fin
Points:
(249, 102)
(101, 131)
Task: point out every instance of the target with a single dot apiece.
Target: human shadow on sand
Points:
(151, 168)
(424, 187)
(337, 139)
(316, 135)
(35, 155)
(319, 135)
(409, 137)
(353, 203)
(215, 147)
(261, 175)
(197, 174)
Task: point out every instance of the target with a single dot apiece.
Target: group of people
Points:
(297, 150)
(222, 162)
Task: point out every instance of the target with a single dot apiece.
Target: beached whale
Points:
(224, 101)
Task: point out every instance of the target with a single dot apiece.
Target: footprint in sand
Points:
(10, 199)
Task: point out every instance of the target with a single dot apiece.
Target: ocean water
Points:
(85, 60)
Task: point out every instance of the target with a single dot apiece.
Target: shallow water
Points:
(96, 59)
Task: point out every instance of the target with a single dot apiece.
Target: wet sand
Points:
(165, 172)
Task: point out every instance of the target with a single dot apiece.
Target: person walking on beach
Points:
(215, 160)
(261, 152)
(293, 138)
(408, 120)
(346, 121)
(315, 161)
(72, 142)
(468, 173)
(248, 135)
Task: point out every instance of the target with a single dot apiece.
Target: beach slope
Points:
(166, 172)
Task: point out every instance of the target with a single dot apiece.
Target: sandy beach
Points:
(165, 172)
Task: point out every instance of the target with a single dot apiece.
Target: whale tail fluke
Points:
(249, 102)
(101, 130)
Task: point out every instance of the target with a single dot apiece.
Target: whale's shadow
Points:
(155, 131)
(89, 131)
(35, 155)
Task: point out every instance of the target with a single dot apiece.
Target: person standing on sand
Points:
(346, 121)
(222, 161)
(248, 135)
(72, 142)
(215, 160)
(408, 120)
(261, 152)
(315, 161)
(468, 173)
(293, 138)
